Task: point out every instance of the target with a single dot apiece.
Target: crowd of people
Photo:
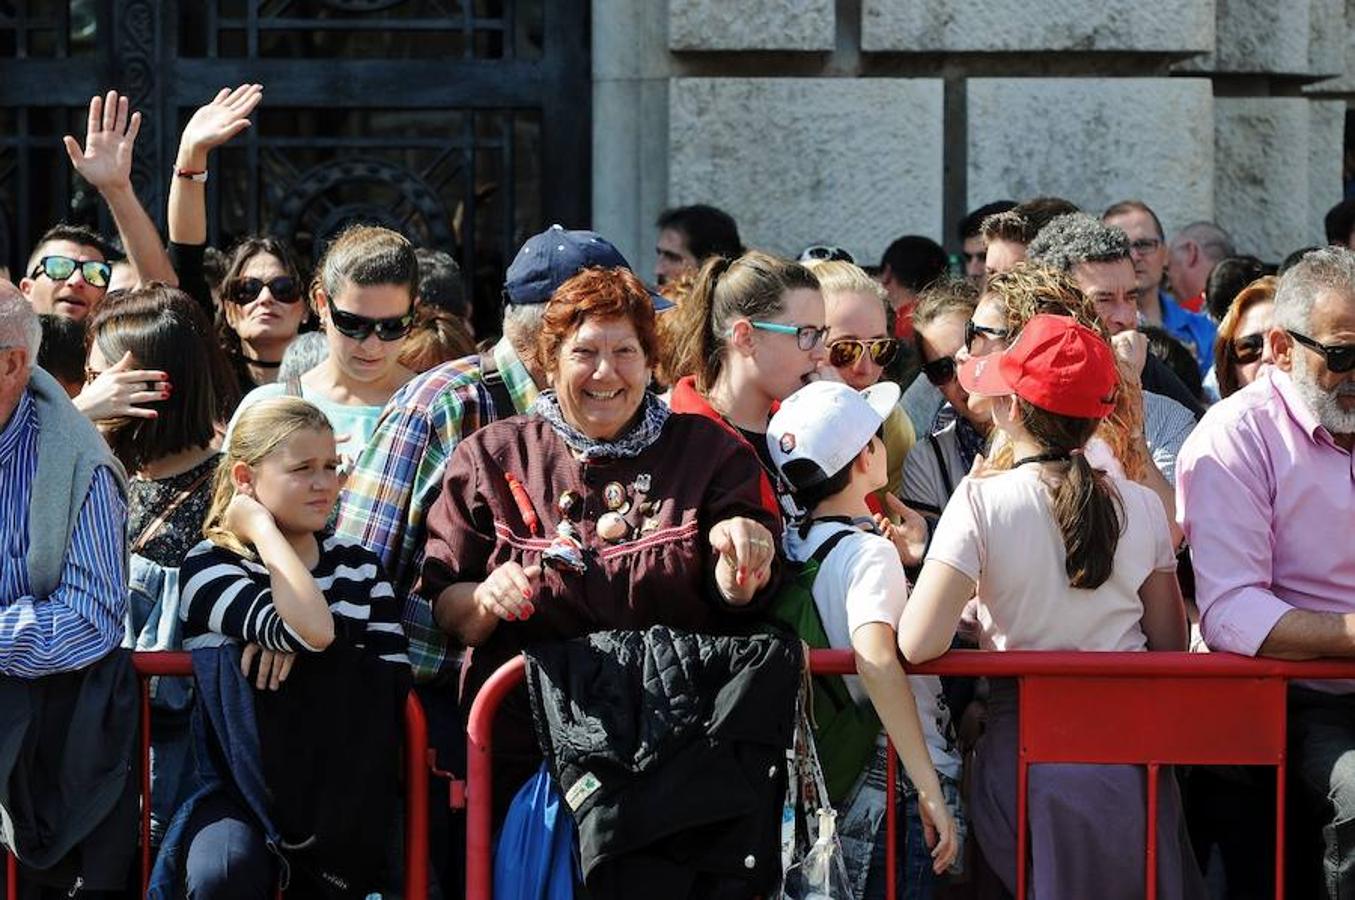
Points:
(319, 484)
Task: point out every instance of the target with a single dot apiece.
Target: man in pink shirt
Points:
(1266, 492)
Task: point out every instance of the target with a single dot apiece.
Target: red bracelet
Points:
(191, 175)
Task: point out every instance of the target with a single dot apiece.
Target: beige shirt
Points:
(1000, 531)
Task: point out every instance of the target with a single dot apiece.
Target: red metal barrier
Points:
(1150, 709)
(149, 665)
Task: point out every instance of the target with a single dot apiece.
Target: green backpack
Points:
(845, 732)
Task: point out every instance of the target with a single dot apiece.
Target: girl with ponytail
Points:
(751, 333)
(1059, 556)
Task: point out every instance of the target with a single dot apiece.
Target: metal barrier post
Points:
(416, 799)
(891, 821)
(479, 767)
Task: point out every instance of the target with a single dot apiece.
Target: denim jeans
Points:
(863, 831)
(1322, 744)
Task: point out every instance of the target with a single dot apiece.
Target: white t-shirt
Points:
(1000, 531)
(862, 581)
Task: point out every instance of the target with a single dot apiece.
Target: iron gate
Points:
(463, 123)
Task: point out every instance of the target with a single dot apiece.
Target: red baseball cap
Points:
(1054, 363)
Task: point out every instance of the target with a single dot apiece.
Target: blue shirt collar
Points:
(17, 426)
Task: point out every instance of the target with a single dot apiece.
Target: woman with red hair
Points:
(600, 509)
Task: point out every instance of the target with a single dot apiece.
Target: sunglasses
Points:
(847, 351)
(359, 328)
(1340, 358)
(825, 252)
(246, 290)
(940, 371)
(973, 329)
(59, 268)
(807, 337)
(1247, 349)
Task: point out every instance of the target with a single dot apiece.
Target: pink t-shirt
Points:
(1000, 531)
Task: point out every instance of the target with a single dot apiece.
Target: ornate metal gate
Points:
(463, 123)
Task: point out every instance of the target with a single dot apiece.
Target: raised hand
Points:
(106, 159)
(220, 120)
(122, 391)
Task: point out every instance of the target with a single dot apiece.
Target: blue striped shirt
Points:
(81, 621)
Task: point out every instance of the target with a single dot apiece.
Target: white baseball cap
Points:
(827, 423)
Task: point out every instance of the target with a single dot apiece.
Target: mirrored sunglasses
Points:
(847, 351)
(58, 268)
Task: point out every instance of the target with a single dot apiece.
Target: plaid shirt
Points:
(388, 494)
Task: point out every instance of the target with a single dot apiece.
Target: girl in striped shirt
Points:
(269, 578)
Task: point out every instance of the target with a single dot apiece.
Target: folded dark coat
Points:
(670, 749)
(68, 791)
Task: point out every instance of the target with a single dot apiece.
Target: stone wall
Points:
(856, 121)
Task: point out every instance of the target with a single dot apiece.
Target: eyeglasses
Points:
(847, 351)
(1339, 357)
(246, 290)
(826, 252)
(1247, 349)
(973, 329)
(940, 371)
(1144, 245)
(359, 328)
(807, 337)
(59, 268)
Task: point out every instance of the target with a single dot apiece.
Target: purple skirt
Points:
(1088, 823)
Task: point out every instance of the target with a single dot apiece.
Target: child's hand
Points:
(274, 666)
(248, 517)
(938, 828)
(909, 535)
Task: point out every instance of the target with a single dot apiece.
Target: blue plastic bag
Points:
(537, 847)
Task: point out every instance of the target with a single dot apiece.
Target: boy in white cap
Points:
(825, 443)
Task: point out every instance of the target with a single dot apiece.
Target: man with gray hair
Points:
(62, 588)
(1097, 256)
(1194, 252)
(1266, 493)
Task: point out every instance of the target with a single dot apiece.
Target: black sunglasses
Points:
(246, 290)
(59, 268)
(972, 330)
(846, 351)
(825, 252)
(1340, 358)
(1247, 349)
(940, 371)
(359, 328)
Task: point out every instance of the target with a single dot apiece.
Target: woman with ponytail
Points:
(1059, 556)
(751, 333)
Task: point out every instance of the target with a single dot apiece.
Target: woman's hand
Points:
(120, 391)
(274, 666)
(217, 122)
(909, 534)
(746, 551)
(938, 828)
(248, 518)
(508, 591)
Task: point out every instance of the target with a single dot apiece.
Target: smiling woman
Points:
(598, 510)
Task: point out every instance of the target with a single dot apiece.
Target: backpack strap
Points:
(941, 464)
(493, 381)
(837, 537)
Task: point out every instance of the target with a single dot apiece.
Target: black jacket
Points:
(68, 788)
(671, 750)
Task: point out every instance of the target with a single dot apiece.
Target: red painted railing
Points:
(149, 665)
(1150, 709)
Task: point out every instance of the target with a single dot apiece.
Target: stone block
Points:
(1261, 37)
(799, 161)
(751, 25)
(1185, 26)
(1262, 186)
(1094, 141)
(1326, 140)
